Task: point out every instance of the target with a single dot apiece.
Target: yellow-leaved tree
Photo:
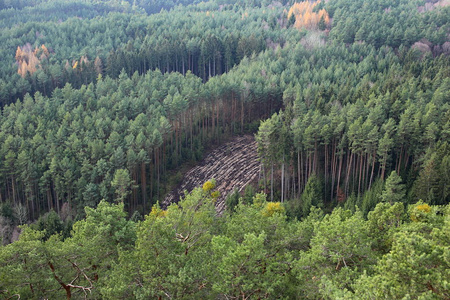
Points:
(305, 17)
(27, 58)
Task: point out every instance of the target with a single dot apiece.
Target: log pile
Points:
(233, 165)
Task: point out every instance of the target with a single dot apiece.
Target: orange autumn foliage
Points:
(27, 59)
(44, 51)
(83, 61)
(305, 17)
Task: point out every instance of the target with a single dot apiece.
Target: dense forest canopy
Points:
(104, 101)
(188, 252)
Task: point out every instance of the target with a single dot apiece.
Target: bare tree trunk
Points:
(242, 116)
(373, 167)
(282, 181)
(209, 68)
(333, 170)
(347, 177)
(144, 185)
(325, 168)
(299, 170)
(384, 167)
(398, 164)
(315, 158)
(367, 166)
(271, 184)
(293, 195)
(360, 173)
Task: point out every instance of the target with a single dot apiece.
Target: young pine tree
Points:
(394, 190)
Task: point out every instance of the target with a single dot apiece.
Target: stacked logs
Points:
(233, 165)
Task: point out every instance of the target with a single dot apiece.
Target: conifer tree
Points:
(394, 190)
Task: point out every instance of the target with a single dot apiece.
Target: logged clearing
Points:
(233, 165)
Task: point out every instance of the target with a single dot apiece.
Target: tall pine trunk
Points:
(282, 180)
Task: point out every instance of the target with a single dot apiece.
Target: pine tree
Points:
(122, 183)
(394, 190)
(312, 195)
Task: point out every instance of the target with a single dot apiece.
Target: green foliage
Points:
(372, 197)
(6, 210)
(249, 194)
(232, 201)
(416, 267)
(273, 208)
(24, 261)
(432, 183)
(394, 26)
(42, 266)
(312, 195)
(394, 190)
(123, 90)
(291, 21)
(250, 231)
(122, 184)
(52, 224)
(293, 209)
(106, 225)
(123, 97)
(209, 185)
(172, 252)
(243, 274)
(187, 251)
(384, 222)
(351, 203)
(421, 212)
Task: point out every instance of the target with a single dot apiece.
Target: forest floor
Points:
(233, 165)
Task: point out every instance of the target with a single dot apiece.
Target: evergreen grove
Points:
(103, 101)
(257, 252)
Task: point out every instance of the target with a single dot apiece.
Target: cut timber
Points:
(233, 165)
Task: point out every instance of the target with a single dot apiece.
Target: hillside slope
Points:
(233, 165)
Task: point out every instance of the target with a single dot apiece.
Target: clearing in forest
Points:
(233, 165)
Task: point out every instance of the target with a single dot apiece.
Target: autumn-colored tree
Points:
(271, 208)
(45, 51)
(27, 59)
(98, 65)
(306, 18)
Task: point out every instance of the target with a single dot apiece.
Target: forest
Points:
(105, 102)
